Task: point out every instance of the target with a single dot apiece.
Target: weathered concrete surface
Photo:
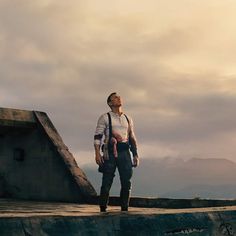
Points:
(16, 118)
(35, 163)
(21, 218)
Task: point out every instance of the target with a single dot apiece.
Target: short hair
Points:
(109, 97)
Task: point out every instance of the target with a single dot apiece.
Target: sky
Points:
(172, 61)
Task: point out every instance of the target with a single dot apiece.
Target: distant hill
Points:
(174, 177)
(204, 191)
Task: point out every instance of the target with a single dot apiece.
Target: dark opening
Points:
(18, 154)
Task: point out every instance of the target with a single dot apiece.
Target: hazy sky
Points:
(173, 62)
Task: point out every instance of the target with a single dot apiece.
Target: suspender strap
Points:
(110, 127)
(127, 121)
(133, 147)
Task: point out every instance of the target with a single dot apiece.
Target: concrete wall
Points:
(41, 174)
(32, 165)
(183, 224)
(168, 203)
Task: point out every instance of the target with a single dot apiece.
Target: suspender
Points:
(133, 148)
(127, 121)
(110, 125)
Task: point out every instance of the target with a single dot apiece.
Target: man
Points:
(117, 130)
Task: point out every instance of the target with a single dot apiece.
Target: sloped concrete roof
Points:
(79, 176)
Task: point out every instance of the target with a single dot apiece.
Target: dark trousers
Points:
(124, 164)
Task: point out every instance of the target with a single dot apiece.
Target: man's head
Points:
(114, 100)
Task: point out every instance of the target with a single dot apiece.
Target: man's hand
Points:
(135, 161)
(99, 159)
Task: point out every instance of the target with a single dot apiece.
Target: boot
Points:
(124, 200)
(103, 201)
(103, 209)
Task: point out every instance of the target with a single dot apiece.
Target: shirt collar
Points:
(116, 114)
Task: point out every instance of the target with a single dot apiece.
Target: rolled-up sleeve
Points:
(100, 130)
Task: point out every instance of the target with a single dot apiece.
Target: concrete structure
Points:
(24, 218)
(35, 164)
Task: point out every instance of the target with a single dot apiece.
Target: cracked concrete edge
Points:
(77, 174)
(16, 117)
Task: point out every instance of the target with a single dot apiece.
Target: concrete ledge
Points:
(201, 224)
(21, 218)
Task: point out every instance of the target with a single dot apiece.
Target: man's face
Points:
(116, 100)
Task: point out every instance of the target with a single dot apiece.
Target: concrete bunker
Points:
(35, 164)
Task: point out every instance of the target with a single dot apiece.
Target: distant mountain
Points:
(204, 191)
(175, 177)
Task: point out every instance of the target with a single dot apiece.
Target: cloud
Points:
(172, 63)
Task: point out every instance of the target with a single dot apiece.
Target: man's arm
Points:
(100, 129)
(133, 144)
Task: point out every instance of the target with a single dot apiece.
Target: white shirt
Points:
(120, 126)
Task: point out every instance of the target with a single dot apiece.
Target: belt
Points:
(122, 147)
